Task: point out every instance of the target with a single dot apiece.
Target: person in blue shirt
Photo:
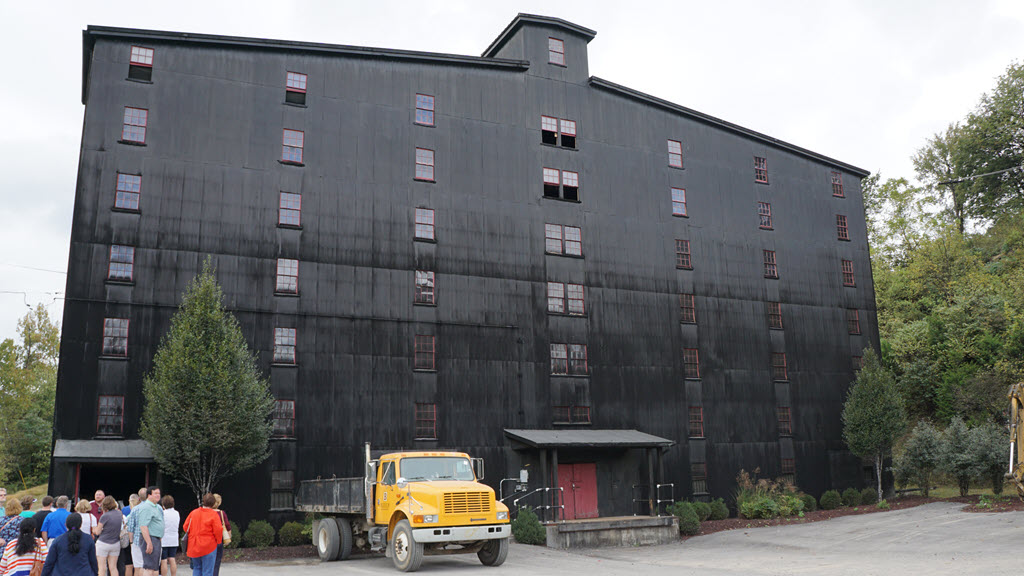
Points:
(54, 524)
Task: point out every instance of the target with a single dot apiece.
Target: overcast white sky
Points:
(865, 82)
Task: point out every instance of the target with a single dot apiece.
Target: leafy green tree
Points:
(945, 158)
(207, 407)
(873, 415)
(919, 461)
(958, 454)
(990, 443)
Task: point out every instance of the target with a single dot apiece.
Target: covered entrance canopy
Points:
(573, 493)
(118, 467)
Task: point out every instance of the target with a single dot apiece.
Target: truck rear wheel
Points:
(494, 552)
(328, 540)
(406, 553)
(345, 542)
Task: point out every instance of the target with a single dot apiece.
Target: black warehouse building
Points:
(498, 254)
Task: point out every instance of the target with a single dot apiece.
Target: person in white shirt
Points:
(84, 510)
(169, 542)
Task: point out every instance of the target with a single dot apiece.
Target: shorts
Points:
(137, 555)
(169, 552)
(103, 549)
(151, 561)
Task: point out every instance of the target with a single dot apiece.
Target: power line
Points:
(965, 179)
(33, 268)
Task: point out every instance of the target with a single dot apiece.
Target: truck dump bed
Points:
(332, 496)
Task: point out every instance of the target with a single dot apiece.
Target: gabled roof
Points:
(522, 18)
(719, 123)
(90, 34)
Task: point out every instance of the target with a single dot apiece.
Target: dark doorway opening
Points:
(117, 480)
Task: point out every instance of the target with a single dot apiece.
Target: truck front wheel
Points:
(494, 552)
(327, 539)
(406, 553)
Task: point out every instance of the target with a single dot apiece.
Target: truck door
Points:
(386, 492)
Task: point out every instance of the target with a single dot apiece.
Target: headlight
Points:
(502, 515)
(425, 519)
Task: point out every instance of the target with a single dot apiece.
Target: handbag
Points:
(37, 565)
(126, 536)
(225, 533)
(184, 543)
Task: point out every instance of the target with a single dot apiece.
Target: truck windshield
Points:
(436, 468)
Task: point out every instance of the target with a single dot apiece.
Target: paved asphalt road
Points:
(935, 539)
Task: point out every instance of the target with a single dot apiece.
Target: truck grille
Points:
(466, 502)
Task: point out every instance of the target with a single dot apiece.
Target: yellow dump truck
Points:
(409, 504)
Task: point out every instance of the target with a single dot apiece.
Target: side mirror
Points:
(371, 471)
(402, 483)
(478, 468)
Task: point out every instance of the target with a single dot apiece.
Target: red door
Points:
(579, 490)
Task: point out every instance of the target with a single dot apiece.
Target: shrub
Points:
(765, 498)
(851, 497)
(868, 496)
(919, 461)
(882, 504)
(719, 511)
(703, 510)
(831, 500)
(291, 535)
(810, 504)
(259, 534)
(527, 529)
(989, 451)
(957, 454)
(689, 524)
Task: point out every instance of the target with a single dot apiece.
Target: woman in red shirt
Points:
(205, 532)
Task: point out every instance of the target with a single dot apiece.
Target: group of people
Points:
(99, 537)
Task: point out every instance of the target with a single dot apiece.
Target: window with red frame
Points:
(424, 224)
(284, 345)
(696, 422)
(570, 415)
(292, 145)
(560, 239)
(122, 263)
(289, 210)
(691, 363)
(775, 315)
(424, 110)
(115, 337)
(678, 202)
(683, 255)
(559, 359)
(699, 477)
(425, 164)
(788, 466)
(110, 416)
(837, 184)
(853, 321)
(287, 276)
(128, 188)
(770, 269)
(561, 184)
(424, 288)
(857, 362)
(848, 279)
(426, 421)
(688, 314)
(553, 130)
(785, 421)
(134, 128)
(556, 51)
(295, 88)
(140, 64)
(423, 358)
(764, 213)
(675, 154)
(779, 369)
(760, 170)
(565, 298)
(284, 419)
(578, 359)
(841, 229)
